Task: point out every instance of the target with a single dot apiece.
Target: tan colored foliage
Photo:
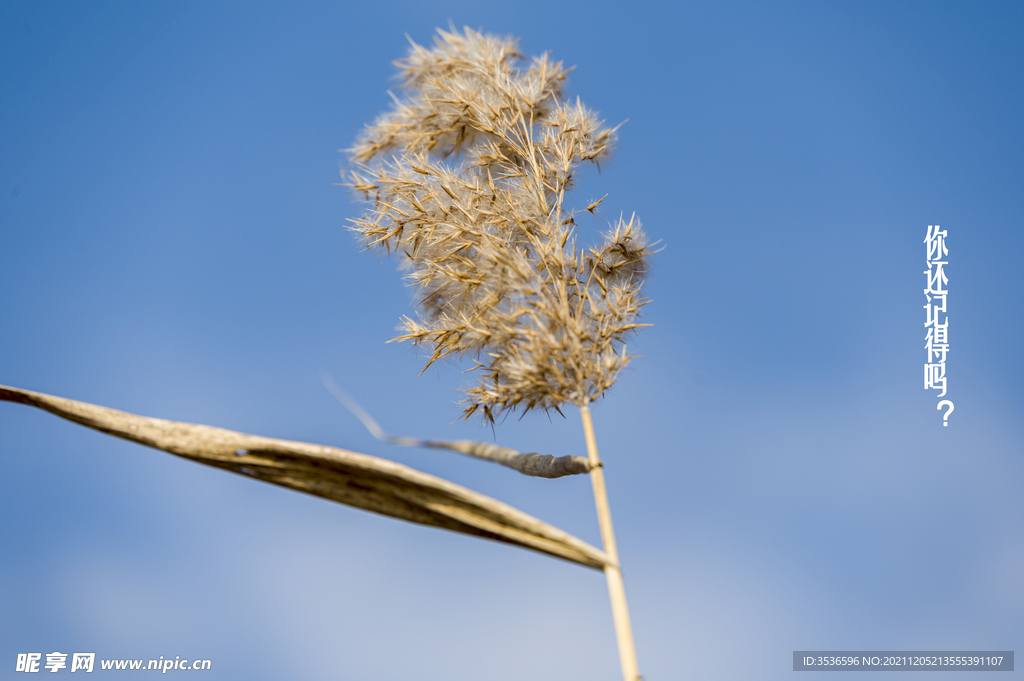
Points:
(359, 480)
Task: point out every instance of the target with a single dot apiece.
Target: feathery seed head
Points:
(466, 179)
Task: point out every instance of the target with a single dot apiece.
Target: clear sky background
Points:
(173, 243)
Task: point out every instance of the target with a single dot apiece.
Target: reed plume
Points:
(467, 178)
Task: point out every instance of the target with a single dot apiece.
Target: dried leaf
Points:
(359, 480)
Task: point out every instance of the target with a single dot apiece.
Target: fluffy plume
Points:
(467, 178)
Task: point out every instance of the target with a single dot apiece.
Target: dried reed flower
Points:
(467, 177)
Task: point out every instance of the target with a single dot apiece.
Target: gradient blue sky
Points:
(172, 243)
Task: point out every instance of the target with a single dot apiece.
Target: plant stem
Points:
(616, 587)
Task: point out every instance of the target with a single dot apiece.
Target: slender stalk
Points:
(612, 571)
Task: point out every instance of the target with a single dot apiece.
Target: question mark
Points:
(945, 416)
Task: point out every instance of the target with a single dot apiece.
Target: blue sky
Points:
(173, 243)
